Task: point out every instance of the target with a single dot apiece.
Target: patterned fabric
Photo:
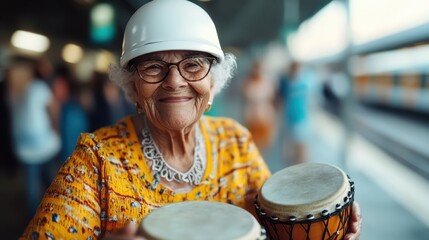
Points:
(106, 183)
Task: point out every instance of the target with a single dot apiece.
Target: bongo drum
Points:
(200, 220)
(309, 201)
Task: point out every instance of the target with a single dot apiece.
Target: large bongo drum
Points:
(201, 220)
(309, 201)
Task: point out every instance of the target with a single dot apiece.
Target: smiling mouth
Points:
(175, 99)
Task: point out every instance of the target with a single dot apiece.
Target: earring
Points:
(139, 109)
(209, 106)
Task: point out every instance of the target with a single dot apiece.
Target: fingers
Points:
(130, 229)
(115, 237)
(354, 232)
(356, 212)
(350, 236)
(356, 219)
(127, 233)
(355, 224)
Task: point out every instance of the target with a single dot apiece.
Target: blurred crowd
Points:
(43, 109)
(277, 108)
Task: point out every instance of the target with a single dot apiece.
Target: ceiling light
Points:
(372, 20)
(72, 53)
(102, 14)
(103, 60)
(30, 41)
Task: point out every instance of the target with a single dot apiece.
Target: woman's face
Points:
(174, 103)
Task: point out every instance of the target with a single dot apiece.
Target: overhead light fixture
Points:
(102, 14)
(103, 60)
(72, 53)
(372, 20)
(322, 36)
(102, 23)
(30, 41)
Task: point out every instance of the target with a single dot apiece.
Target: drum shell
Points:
(324, 217)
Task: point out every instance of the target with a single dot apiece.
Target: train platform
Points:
(386, 156)
(393, 197)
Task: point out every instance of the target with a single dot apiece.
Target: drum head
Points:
(200, 220)
(303, 189)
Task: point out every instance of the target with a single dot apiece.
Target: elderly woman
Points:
(171, 67)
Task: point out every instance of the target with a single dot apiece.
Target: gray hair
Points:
(221, 75)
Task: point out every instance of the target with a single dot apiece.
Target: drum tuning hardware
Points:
(263, 213)
(292, 218)
(338, 206)
(325, 213)
(310, 217)
(274, 218)
(263, 234)
(346, 199)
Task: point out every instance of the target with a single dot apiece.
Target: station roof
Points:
(241, 23)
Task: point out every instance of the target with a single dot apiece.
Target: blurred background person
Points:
(109, 104)
(74, 117)
(34, 115)
(45, 69)
(259, 109)
(294, 92)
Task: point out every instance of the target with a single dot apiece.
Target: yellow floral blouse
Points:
(106, 183)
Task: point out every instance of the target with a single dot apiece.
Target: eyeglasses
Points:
(192, 69)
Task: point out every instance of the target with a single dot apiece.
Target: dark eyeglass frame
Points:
(211, 60)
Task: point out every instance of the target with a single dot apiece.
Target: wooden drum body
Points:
(200, 220)
(309, 201)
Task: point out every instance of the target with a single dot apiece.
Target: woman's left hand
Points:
(129, 232)
(355, 225)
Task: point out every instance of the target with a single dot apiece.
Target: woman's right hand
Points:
(129, 232)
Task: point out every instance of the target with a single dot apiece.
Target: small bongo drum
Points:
(201, 220)
(309, 201)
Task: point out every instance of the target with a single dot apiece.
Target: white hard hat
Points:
(162, 25)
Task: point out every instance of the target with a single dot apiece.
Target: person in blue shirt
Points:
(294, 93)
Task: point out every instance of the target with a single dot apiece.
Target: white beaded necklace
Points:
(151, 152)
